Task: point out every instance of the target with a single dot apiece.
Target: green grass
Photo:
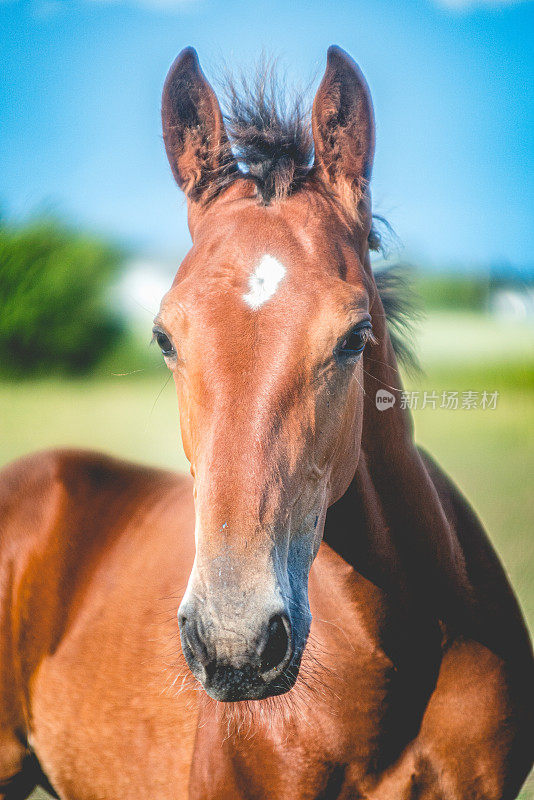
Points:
(130, 416)
(490, 454)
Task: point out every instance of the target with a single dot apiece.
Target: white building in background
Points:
(512, 302)
(139, 291)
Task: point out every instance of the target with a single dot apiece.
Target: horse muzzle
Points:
(236, 661)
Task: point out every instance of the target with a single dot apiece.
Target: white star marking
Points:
(264, 281)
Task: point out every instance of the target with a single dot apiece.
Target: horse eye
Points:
(164, 343)
(354, 343)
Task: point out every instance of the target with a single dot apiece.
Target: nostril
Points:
(277, 644)
(190, 633)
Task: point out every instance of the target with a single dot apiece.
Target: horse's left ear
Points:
(343, 127)
(193, 130)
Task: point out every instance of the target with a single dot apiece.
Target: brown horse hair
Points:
(270, 134)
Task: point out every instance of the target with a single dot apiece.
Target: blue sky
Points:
(452, 82)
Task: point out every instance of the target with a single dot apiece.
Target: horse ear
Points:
(195, 138)
(343, 127)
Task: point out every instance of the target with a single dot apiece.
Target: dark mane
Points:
(402, 311)
(270, 133)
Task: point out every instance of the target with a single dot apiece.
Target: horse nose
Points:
(275, 649)
(237, 666)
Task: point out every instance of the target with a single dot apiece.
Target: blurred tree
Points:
(453, 290)
(54, 313)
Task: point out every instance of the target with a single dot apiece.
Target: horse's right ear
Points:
(193, 130)
(343, 127)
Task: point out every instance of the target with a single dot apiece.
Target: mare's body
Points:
(94, 684)
(317, 613)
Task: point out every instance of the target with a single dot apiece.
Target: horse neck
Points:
(390, 525)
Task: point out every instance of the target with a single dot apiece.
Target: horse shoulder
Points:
(63, 514)
(496, 610)
(486, 676)
(28, 506)
(37, 490)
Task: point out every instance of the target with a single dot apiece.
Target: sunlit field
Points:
(489, 452)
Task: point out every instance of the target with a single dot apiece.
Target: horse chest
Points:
(327, 733)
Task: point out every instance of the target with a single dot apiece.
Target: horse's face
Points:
(263, 328)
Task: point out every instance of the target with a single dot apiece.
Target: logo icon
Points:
(384, 399)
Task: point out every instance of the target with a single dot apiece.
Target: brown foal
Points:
(317, 613)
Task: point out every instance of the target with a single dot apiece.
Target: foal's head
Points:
(264, 329)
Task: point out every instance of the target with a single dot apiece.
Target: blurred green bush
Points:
(453, 291)
(54, 289)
